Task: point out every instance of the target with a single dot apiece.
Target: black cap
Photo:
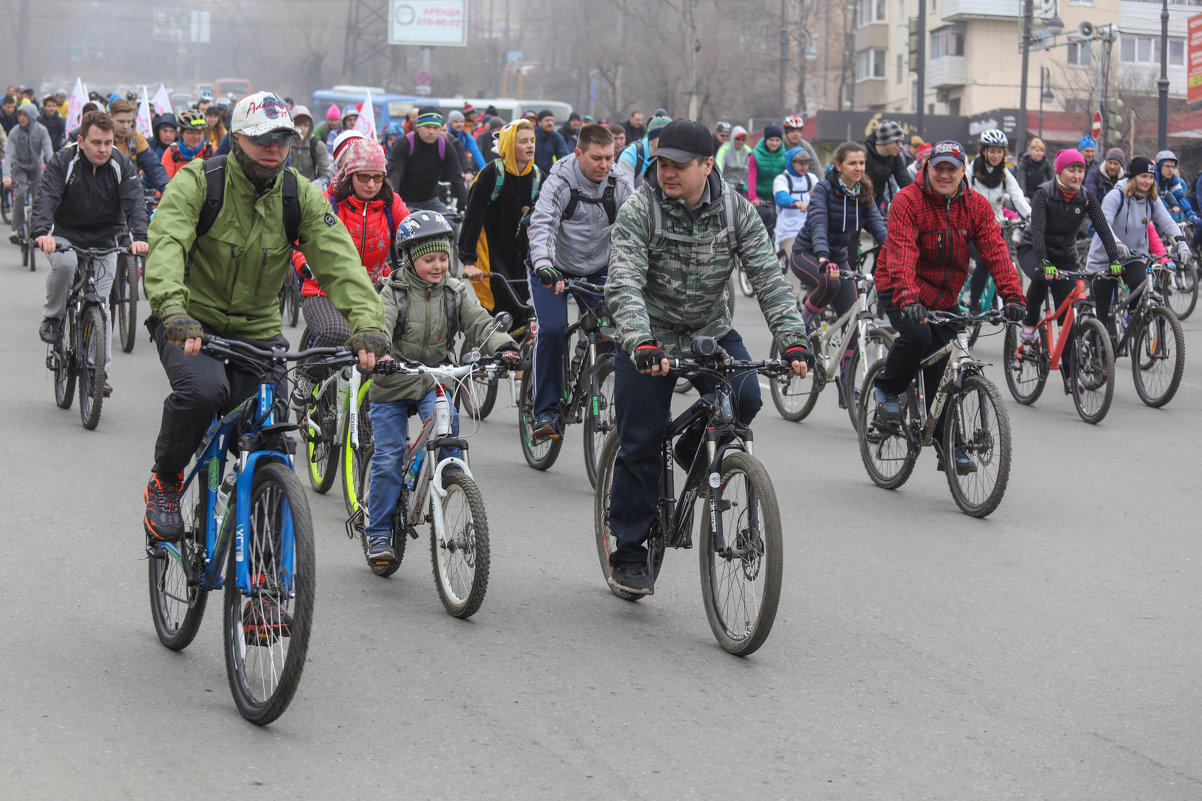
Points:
(684, 140)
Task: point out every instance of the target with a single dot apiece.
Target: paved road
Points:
(1050, 651)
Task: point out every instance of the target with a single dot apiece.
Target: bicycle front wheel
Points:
(91, 366)
(460, 552)
(177, 607)
(540, 454)
(356, 460)
(1158, 357)
(63, 360)
(1026, 364)
(322, 443)
(977, 424)
(877, 343)
(292, 293)
(1182, 290)
(888, 448)
(741, 569)
(126, 290)
(599, 414)
(267, 632)
(1092, 376)
(793, 396)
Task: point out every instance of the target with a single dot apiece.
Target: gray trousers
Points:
(23, 181)
(58, 286)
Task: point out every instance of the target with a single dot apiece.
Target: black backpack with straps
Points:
(606, 200)
(215, 196)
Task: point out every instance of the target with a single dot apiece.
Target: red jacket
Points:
(925, 257)
(368, 227)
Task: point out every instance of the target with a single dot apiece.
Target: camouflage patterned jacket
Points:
(671, 290)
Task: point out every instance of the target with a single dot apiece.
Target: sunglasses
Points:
(369, 179)
(278, 138)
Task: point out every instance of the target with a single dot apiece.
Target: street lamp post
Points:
(784, 57)
(1162, 84)
(1024, 72)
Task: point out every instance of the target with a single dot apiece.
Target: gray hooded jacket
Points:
(579, 246)
(1129, 218)
(27, 148)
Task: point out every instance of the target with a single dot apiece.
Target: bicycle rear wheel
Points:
(177, 607)
(541, 454)
(741, 576)
(478, 394)
(1182, 290)
(793, 396)
(888, 448)
(1158, 357)
(356, 461)
(1026, 364)
(6, 204)
(267, 632)
(599, 415)
(877, 341)
(63, 360)
(292, 296)
(322, 443)
(604, 536)
(460, 553)
(1092, 376)
(91, 366)
(979, 412)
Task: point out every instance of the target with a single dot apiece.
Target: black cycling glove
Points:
(799, 353)
(548, 275)
(178, 327)
(648, 355)
(1015, 311)
(916, 313)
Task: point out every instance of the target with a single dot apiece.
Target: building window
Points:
(870, 63)
(1146, 50)
(869, 11)
(1079, 54)
(901, 67)
(947, 41)
(953, 107)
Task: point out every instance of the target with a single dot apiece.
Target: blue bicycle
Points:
(259, 508)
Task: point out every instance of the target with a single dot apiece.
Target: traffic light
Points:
(1113, 110)
(913, 43)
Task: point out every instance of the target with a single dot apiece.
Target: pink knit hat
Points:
(1067, 157)
(360, 155)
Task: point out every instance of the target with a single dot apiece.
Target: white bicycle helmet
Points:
(994, 138)
(794, 121)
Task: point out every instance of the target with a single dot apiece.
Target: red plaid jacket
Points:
(925, 257)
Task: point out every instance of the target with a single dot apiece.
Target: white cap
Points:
(260, 113)
(342, 139)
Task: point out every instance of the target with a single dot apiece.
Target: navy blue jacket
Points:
(834, 220)
(549, 148)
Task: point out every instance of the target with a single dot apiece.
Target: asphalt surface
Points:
(1050, 651)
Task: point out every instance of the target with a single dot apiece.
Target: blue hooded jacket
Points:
(1172, 191)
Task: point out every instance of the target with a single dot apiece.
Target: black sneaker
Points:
(50, 331)
(964, 462)
(163, 520)
(546, 426)
(380, 551)
(632, 577)
(264, 621)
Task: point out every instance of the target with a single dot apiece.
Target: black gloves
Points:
(916, 313)
(1015, 311)
(799, 353)
(547, 275)
(372, 340)
(648, 355)
(178, 327)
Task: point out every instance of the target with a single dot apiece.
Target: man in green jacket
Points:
(227, 282)
(673, 248)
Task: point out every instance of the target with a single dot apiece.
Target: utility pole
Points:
(1162, 84)
(920, 112)
(1025, 47)
(784, 58)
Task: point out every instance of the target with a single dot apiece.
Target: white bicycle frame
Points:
(830, 356)
(960, 359)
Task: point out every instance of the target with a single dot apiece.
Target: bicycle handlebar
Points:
(403, 366)
(725, 364)
(220, 347)
(63, 246)
(957, 318)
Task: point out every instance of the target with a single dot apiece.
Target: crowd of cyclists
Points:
(404, 241)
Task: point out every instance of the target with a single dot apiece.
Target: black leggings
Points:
(826, 289)
(1038, 290)
(1134, 272)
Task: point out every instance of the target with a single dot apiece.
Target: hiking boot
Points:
(380, 551)
(546, 426)
(163, 520)
(51, 330)
(264, 621)
(632, 577)
(888, 405)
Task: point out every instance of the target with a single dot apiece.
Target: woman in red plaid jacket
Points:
(924, 264)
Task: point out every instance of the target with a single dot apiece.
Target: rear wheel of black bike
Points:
(476, 395)
(176, 607)
(91, 366)
(356, 461)
(741, 581)
(794, 397)
(605, 538)
(1181, 294)
(63, 357)
(1026, 364)
(125, 301)
(1158, 357)
(322, 444)
(6, 205)
(267, 632)
(460, 556)
(980, 414)
(1092, 374)
(888, 448)
(540, 454)
(599, 417)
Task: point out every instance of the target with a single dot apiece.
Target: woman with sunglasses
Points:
(364, 202)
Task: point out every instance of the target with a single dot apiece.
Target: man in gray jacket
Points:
(27, 149)
(569, 236)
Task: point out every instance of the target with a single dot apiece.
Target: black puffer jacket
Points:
(880, 169)
(1031, 173)
(1052, 233)
(87, 204)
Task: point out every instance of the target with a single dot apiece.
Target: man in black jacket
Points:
(8, 113)
(419, 160)
(884, 161)
(56, 126)
(86, 195)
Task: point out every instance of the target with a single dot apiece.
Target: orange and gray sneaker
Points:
(264, 621)
(163, 520)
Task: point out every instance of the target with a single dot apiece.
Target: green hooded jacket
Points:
(232, 281)
(424, 336)
(672, 290)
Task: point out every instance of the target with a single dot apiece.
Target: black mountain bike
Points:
(1148, 331)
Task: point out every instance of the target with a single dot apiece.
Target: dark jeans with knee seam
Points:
(642, 405)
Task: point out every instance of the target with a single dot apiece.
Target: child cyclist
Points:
(423, 308)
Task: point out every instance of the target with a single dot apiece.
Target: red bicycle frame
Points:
(1065, 310)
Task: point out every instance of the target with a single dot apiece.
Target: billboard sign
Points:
(427, 23)
(1193, 92)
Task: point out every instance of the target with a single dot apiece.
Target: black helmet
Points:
(420, 233)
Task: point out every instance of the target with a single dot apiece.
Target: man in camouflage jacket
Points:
(672, 251)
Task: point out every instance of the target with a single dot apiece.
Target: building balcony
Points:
(957, 10)
(947, 72)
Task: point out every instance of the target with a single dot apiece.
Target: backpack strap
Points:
(313, 150)
(292, 210)
(452, 303)
(214, 194)
(400, 296)
(606, 201)
(499, 166)
(442, 145)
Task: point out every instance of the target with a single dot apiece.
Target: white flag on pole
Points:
(143, 120)
(161, 102)
(366, 124)
(75, 105)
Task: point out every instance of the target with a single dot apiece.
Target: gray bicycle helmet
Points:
(1165, 155)
(994, 138)
(420, 233)
(889, 131)
(722, 127)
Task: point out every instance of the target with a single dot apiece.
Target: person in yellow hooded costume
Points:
(492, 242)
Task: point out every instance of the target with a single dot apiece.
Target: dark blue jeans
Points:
(643, 403)
(552, 313)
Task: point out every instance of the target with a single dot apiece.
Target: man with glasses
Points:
(226, 280)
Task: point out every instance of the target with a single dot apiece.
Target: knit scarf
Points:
(1069, 194)
(988, 176)
(190, 152)
(853, 191)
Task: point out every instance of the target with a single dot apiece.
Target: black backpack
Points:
(215, 196)
(606, 200)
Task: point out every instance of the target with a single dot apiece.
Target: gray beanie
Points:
(455, 115)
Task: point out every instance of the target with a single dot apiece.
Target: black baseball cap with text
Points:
(684, 140)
